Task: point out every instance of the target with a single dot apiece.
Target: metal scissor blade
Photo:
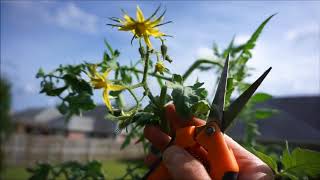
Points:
(218, 101)
(236, 107)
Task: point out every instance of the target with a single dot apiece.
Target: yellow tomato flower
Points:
(100, 81)
(141, 27)
(159, 67)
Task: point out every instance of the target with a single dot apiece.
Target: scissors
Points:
(206, 143)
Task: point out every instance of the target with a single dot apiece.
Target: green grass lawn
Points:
(117, 168)
(113, 169)
(14, 173)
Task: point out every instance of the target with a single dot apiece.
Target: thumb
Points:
(182, 165)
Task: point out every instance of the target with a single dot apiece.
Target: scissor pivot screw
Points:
(210, 130)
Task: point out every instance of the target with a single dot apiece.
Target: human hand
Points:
(182, 165)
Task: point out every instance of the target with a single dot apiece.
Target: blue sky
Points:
(50, 33)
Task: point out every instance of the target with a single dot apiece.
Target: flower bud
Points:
(168, 59)
(164, 50)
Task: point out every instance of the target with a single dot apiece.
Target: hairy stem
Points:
(151, 74)
(135, 86)
(145, 75)
(134, 96)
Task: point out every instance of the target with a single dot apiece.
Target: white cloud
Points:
(204, 52)
(241, 39)
(65, 15)
(291, 70)
(31, 88)
(311, 30)
(72, 17)
(51, 101)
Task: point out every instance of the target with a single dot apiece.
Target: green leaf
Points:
(272, 163)
(112, 117)
(251, 42)
(230, 89)
(106, 57)
(197, 84)
(200, 109)
(229, 49)
(80, 101)
(290, 176)
(63, 108)
(125, 76)
(84, 86)
(46, 86)
(113, 64)
(41, 171)
(185, 97)
(93, 169)
(301, 162)
(177, 78)
(264, 113)
(163, 95)
(126, 142)
(242, 86)
(70, 170)
(237, 49)
(71, 80)
(286, 159)
(116, 53)
(160, 82)
(40, 73)
(143, 118)
(215, 49)
(136, 75)
(54, 92)
(77, 84)
(108, 46)
(240, 68)
(260, 97)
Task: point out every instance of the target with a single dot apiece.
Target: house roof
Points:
(46, 115)
(26, 116)
(297, 121)
(91, 121)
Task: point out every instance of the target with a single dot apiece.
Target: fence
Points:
(23, 149)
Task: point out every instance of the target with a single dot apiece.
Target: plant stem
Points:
(135, 86)
(134, 96)
(121, 101)
(196, 64)
(163, 122)
(146, 67)
(145, 75)
(151, 74)
(51, 76)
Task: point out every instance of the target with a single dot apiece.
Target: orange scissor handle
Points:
(184, 138)
(211, 150)
(223, 164)
(159, 173)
